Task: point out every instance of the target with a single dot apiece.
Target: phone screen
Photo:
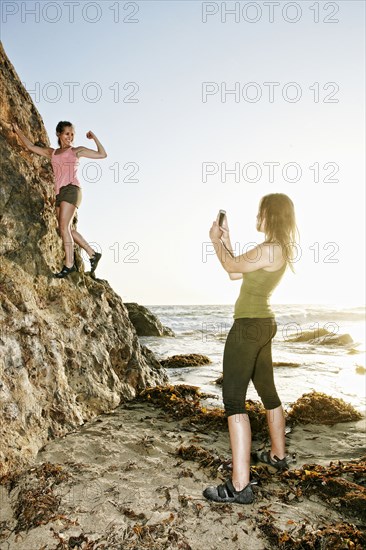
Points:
(222, 216)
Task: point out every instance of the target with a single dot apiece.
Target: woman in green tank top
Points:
(247, 353)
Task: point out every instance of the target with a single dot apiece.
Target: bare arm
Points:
(89, 153)
(227, 244)
(258, 257)
(43, 151)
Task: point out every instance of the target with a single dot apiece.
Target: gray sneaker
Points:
(94, 260)
(275, 462)
(226, 492)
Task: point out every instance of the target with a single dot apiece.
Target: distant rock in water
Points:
(322, 336)
(353, 351)
(360, 369)
(145, 322)
(190, 360)
(285, 364)
(68, 350)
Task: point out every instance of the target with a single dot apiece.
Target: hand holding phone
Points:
(221, 220)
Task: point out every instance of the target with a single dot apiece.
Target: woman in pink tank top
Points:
(65, 162)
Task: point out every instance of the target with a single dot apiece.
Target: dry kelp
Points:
(190, 360)
(138, 536)
(219, 381)
(182, 402)
(206, 459)
(159, 536)
(76, 542)
(319, 408)
(338, 536)
(257, 417)
(36, 502)
(341, 484)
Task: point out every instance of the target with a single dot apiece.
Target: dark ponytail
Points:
(60, 128)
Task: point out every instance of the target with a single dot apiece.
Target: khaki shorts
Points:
(69, 193)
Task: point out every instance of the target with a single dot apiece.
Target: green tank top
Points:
(255, 291)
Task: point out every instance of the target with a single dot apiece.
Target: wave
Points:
(283, 312)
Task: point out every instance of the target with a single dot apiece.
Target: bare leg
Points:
(66, 214)
(240, 441)
(276, 425)
(79, 239)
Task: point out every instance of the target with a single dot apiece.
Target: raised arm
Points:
(43, 151)
(257, 258)
(90, 153)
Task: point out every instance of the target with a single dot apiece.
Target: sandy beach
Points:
(123, 481)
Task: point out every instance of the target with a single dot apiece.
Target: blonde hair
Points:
(280, 223)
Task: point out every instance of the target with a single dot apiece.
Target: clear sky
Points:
(152, 80)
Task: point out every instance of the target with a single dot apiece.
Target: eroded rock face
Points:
(68, 350)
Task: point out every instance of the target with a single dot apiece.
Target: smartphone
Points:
(222, 214)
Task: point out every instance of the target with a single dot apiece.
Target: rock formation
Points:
(68, 350)
(145, 322)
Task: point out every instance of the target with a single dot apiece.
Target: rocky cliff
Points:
(68, 350)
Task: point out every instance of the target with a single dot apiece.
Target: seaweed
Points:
(160, 536)
(257, 416)
(330, 483)
(190, 360)
(143, 536)
(346, 496)
(36, 502)
(77, 542)
(205, 459)
(320, 408)
(182, 402)
(219, 381)
(336, 536)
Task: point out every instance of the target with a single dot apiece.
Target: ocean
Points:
(332, 369)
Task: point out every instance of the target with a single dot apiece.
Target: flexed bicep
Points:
(89, 153)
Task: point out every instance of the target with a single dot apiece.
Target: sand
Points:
(125, 487)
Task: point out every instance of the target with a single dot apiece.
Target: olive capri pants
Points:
(248, 356)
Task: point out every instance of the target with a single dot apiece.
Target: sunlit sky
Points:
(139, 71)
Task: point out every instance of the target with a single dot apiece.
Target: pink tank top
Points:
(65, 167)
